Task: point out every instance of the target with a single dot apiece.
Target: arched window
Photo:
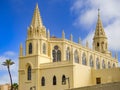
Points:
(114, 65)
(44, 48)
(84, 62)
(54, 80)
(63, 80)
(68, 54)
(109, 66)
(76, 57)
(97, 44)
(103, 64)
(29, 73)
(102, 46)
(56, 54)
(30, 48)
(42, 81)
(97, 63)
(91, 61)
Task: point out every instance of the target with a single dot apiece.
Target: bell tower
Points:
(100, 42)
(36, 37)
(36, 53)
(36, 29)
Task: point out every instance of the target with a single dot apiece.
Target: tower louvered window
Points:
(30, 48)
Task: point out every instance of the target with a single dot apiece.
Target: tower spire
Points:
(36, 20)
(36, 29)
(100, 40)
(99, 32)
(98, 13)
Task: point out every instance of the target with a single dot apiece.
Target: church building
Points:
(52, 63)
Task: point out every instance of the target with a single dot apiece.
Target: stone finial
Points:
(79, 40)
(48, 34)
(63, 34)
(21, 50)
(71, 37)
(87, 44)
(116, 55)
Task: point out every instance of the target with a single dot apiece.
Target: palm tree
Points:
(8, 63)
(15, 86)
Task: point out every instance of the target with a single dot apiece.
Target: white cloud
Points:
(9, 53)
(87, 16)
(4, 77)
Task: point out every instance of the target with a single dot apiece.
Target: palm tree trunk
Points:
(10, 77)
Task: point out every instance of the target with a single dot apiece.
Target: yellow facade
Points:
(5, 87)
(52, 63)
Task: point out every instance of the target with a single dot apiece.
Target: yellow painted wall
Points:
(107, 75)
(82, 76)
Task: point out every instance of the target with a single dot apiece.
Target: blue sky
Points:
(73, 16)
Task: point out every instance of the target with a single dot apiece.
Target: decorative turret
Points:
(71, 37)
(116, 55)
(36, 29)
(100, 40)
(48, 34)
(37, 37)
(79, 40)
(87, 44)
(21, 50)
(63, 34)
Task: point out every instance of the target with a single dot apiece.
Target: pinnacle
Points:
(36, 20)
(99, 28)
(36, 5)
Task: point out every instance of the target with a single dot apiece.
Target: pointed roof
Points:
(36, 20)
(99, 32)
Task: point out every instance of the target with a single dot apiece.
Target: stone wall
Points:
(108, 86)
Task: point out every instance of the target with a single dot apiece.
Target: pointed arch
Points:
(68, 54)
(54, 56)
(98, 44)
(63, 80)
(109, 66)
(43, 81)
(91, 61)
(114, 65)
(29, 72)
(56, 53)
(54, 80)
(84, 61)
(44, 48)
(103, 64)
(76, 57)
(30, 48)
(97, 63)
